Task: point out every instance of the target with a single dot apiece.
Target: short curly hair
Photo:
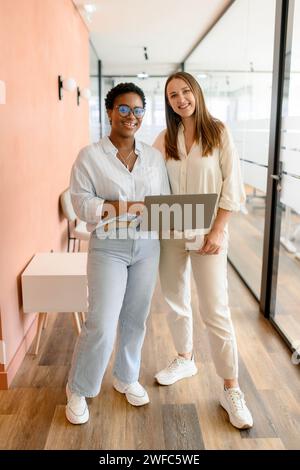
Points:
(121, 89)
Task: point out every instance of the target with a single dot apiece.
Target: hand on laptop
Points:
(212, 243)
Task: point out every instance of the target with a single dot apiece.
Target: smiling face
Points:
(125, 126)
(181, 98)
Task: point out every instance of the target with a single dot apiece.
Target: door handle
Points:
(278, 179)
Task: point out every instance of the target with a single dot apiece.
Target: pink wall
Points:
(39, 139)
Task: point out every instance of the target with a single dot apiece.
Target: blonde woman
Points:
(201, 158)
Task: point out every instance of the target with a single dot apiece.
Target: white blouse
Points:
(218, 173)
(98, 175)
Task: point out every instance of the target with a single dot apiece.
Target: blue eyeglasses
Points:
(125, 110)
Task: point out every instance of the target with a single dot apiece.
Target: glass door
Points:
(285, 310)
(238, 90)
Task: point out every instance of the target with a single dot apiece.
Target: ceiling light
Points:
(202, 75)
(90, 8)
(142, 75)
(146, 53)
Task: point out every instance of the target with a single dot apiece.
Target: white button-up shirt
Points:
(98, 175)
(217, 173)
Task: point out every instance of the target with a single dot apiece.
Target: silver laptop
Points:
(178, 212)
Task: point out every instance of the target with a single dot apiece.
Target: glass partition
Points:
(234, 64)
(287, 306)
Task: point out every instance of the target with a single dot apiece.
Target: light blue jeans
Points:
(122, 275)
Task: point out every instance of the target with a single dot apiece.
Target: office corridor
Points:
(184, 416)
(90, 93)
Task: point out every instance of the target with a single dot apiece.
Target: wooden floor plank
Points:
(289, 372)
(257, 360)
(285, 414)
(263, 444)
(181, 427)
(33, 418)
(264, 426)
(145, 425)
(7, 425)
(59, 347)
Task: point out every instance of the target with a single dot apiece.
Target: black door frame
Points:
(281, 73)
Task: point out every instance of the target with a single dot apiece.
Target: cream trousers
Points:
(210, 274)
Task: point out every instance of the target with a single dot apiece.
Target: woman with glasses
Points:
(109, 181)
(201, 158)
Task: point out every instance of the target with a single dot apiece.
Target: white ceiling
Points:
(120, 29)
(241, 40)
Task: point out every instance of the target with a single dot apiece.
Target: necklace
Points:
(125, 159)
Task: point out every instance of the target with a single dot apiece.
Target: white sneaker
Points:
(77, 411)
(135, 394)
(232, 400)
(178, 369)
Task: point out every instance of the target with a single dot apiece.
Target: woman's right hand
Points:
(136, 208)
(212, 243)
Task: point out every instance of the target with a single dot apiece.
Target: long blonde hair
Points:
(208, 129)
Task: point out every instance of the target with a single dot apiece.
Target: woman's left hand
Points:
(212, 243)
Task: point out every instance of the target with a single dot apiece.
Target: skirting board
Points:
(7, 376)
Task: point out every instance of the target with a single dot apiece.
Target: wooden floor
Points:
(184, 416)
